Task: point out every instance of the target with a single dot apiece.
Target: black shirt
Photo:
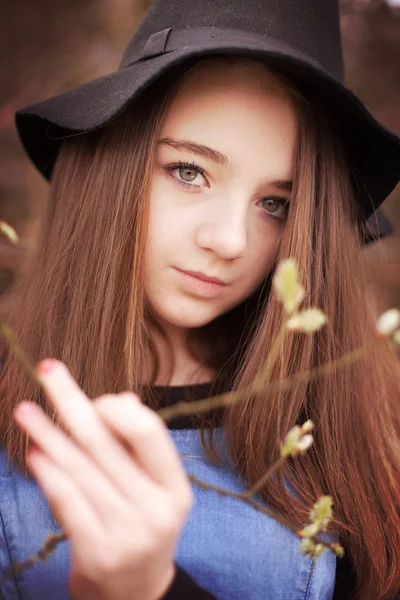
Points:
(184, 586)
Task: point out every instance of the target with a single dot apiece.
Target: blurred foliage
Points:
(47, 47)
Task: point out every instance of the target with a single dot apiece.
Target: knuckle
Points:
(148, 425)
(121, 397)
(187, 499)
(163, 524)
(172, 517)
(105, 400)
(182, 500)
(183, 507)
(129, 396)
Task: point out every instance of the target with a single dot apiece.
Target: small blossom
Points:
(309, 320)
(9, 232)
(299, 295)
(304, 443)
(287, 287)
(289, 445)
(388, 322)
(321, 513)
(319, 549)
(296, 442)
(338, 550)
(309, 548)
(307, 427)
(309, 531)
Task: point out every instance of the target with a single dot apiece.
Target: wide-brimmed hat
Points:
(300, 38)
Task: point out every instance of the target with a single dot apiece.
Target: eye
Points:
(275, 206)
(186, 173)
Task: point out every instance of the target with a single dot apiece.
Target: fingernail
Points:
(32, 450)
(46, 366)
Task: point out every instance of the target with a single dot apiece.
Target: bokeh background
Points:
(47, 47)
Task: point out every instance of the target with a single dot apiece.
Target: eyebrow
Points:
(199, 149)
(218, 157)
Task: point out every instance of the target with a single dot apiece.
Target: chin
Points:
(187, 322)
(187, 317)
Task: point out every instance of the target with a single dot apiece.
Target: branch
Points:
(226, 399)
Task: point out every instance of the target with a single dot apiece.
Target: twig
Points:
(226, 399)
(49, 546)
(272, 355)
(244, 497)
(17, 350)
(257, 486)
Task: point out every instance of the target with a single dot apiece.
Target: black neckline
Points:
(172, 394)
(180, 388)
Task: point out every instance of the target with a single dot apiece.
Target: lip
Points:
(200, 288)
(203, 277)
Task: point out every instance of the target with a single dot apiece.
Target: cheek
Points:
(162, 221)
(164, 230)
(262, 254)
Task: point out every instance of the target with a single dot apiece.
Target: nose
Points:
(224, 229)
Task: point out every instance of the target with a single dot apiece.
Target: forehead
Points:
(239, 110)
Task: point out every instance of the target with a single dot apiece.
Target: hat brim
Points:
(377, 227)
(373, 149)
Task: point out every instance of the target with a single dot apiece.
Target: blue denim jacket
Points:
(232, 550)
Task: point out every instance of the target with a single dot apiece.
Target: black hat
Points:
(376, 227)
(300, 38)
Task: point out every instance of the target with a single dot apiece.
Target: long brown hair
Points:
(81, 300)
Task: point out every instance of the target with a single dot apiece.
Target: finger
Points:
(74, 513)
(101, 493)
(148, 437)
(84, 423)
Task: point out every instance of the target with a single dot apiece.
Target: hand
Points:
(115, 483)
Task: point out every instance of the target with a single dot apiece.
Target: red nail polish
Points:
(32, 450)
(46, 365)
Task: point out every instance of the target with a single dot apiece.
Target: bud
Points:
(307, 546)
(322, 511)
(287, 287)
(290, 442)
(338, 550)
(307, 427)
(309, 531)
(309, 320)
(310, 549)
(296, 442)
(304, 443)
(9, 232)
(388, 322)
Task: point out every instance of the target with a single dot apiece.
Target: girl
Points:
(224, 144)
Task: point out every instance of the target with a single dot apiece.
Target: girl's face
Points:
(220, 191)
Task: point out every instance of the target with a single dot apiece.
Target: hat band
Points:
(213, 38)
(156, 44)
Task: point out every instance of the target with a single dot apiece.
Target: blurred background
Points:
(47, 47)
